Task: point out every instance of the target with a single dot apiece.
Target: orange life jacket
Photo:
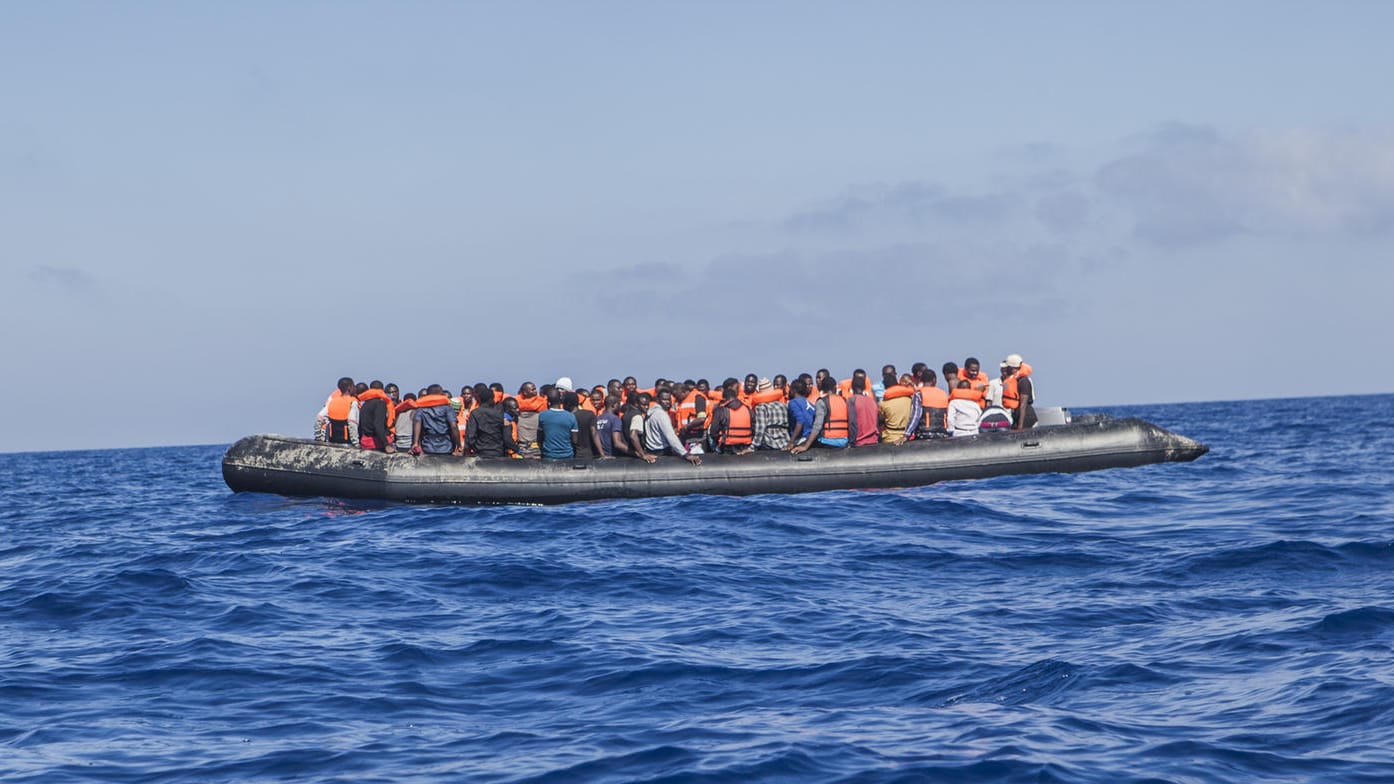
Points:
(340, 406)
(967, 394)
(739, 431)
(896, 391)
(380, 394)
(835, 426)
(844, 388)
(768, 396)
(337, 410)
(687, 410)
(534, 403)
(431, 401)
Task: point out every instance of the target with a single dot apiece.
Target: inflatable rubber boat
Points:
(300, 467)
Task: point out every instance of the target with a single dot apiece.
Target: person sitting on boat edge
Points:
(587, 442)
(401, 429)
(929, 410)
(556, 429)
(376, 415)
(488, 433)
(832, 427)
(659, 436)
(338, 420)
(964, 410)
(800, 410)
(434, 431)
(861, 413)
(771, 415)
(608, 426)
(732, 427)
(894, 410)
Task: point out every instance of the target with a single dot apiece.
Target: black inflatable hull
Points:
(298, 467)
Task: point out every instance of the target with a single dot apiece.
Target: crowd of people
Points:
(682, 418)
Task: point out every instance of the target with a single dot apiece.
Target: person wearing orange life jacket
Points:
(862, 413)
(403, 424)
(338, 420)
(530, 406)
(464, 405)
(374, 421)
(964, 410)
(844, 387)
(894, 409)
(693, 412)
(1018, 392)
(977, 380)
(732, 429)
(770, 410)
(433, 424)
(833, 426)
(748, 387)
(929, 414)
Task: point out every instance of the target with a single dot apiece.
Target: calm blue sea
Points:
(1230, 619)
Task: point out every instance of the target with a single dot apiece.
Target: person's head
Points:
(510, 406)
(907, 380)
(950, 371)
(798, 387)
(660, 382)
(467, 396)
(598, 399)
(730, 383)
(614, 387)
(553, 397)
(528, 389)
(630, 384)
(730, 392)
(393, 392)
(807, 383)
(1005, 371)
(496, 388)
(971, 367)
(680, 390)
(888, 379)
(346, 385)
(820, 375)
(664, 396)
(916, 368)
(1013, 361)
(859, 373)
(642, 400)
(828, 385)
(375, 384)
(927, 377)
(780, 382)
(612, 403)
(484, 395)
(423, 392)
(564, 384)
(963, 384)
(360, 388)
(435, 389)
(888, 370)
(569, 399)
(859, 383)
(409, 396)
(704, 386)
(751, 382)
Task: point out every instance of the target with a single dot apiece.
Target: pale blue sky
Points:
(208, 212)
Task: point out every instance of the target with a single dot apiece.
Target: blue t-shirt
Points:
(554, 429)
(606, 426)
(801, 411)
